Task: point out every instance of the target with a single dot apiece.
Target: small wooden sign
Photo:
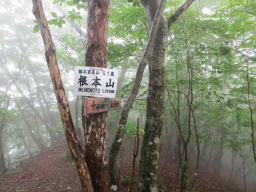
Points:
(95, 82)
(98, 105)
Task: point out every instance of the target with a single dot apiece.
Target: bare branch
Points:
(73, 24)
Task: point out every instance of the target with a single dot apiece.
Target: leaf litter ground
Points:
(52, 171)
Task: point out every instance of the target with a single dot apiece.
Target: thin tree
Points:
(3, 123)
(251, 113)
(64, 110)
(155, 51)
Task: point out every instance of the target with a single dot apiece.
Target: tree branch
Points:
(176, 15)
(242, 54)
(50, 54)
(73, 24)
(142, 64)
(135, 89)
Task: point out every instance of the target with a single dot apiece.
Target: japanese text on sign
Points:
(98, 105)
(95, 82)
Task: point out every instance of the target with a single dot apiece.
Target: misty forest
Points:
(128, 95)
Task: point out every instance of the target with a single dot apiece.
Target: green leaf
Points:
(36, 28)
(54, 15)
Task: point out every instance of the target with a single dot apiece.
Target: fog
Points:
(218, 126)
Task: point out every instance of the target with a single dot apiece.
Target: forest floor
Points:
(52, 171)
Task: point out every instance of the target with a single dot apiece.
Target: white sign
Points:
(95, 82)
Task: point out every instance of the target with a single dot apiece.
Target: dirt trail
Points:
(52, 171)
(49, 171)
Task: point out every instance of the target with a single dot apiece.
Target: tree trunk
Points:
(148, 181)
(244, 175)
(115, 147)
(232, 165)
(64, 110)
(38, 134)
(2, 126)
(37, 140)
(2, 159)
(251, 114)
(155, 105)
(121, 77)
(52, 134)
(27, 148)
(218, 159)
(41, 94)
(79, 129)
(95, 125)
(184, 171)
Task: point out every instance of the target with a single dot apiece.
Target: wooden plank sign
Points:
(98, 105)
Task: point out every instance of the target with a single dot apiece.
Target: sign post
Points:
(95, 82)
(99, 86)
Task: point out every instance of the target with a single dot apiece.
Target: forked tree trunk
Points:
(64, 110)
(155, 105)
(155, 99)
(95, 125)
(115, 148)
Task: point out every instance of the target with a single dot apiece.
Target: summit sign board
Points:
(95, 82)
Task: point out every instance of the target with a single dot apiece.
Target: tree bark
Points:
(135, 154)
(251, 114)
(148, 181)
(115, 147)
(38, 134)
(181, 9)
(3, 123)
(122, 76)
(52, 134)
(37, 140)
(50, 54)
(2, 159)
(49, 113)
(79, 130)
(95, 125)
(154, 117)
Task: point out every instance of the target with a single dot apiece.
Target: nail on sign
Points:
(97, 105)
(95, 82)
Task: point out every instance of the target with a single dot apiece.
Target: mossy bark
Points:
(115, 148)
(148, 181)
(154, 117)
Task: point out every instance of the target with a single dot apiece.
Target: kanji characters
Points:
(96, 82)
(82, 80)
(110, 83)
